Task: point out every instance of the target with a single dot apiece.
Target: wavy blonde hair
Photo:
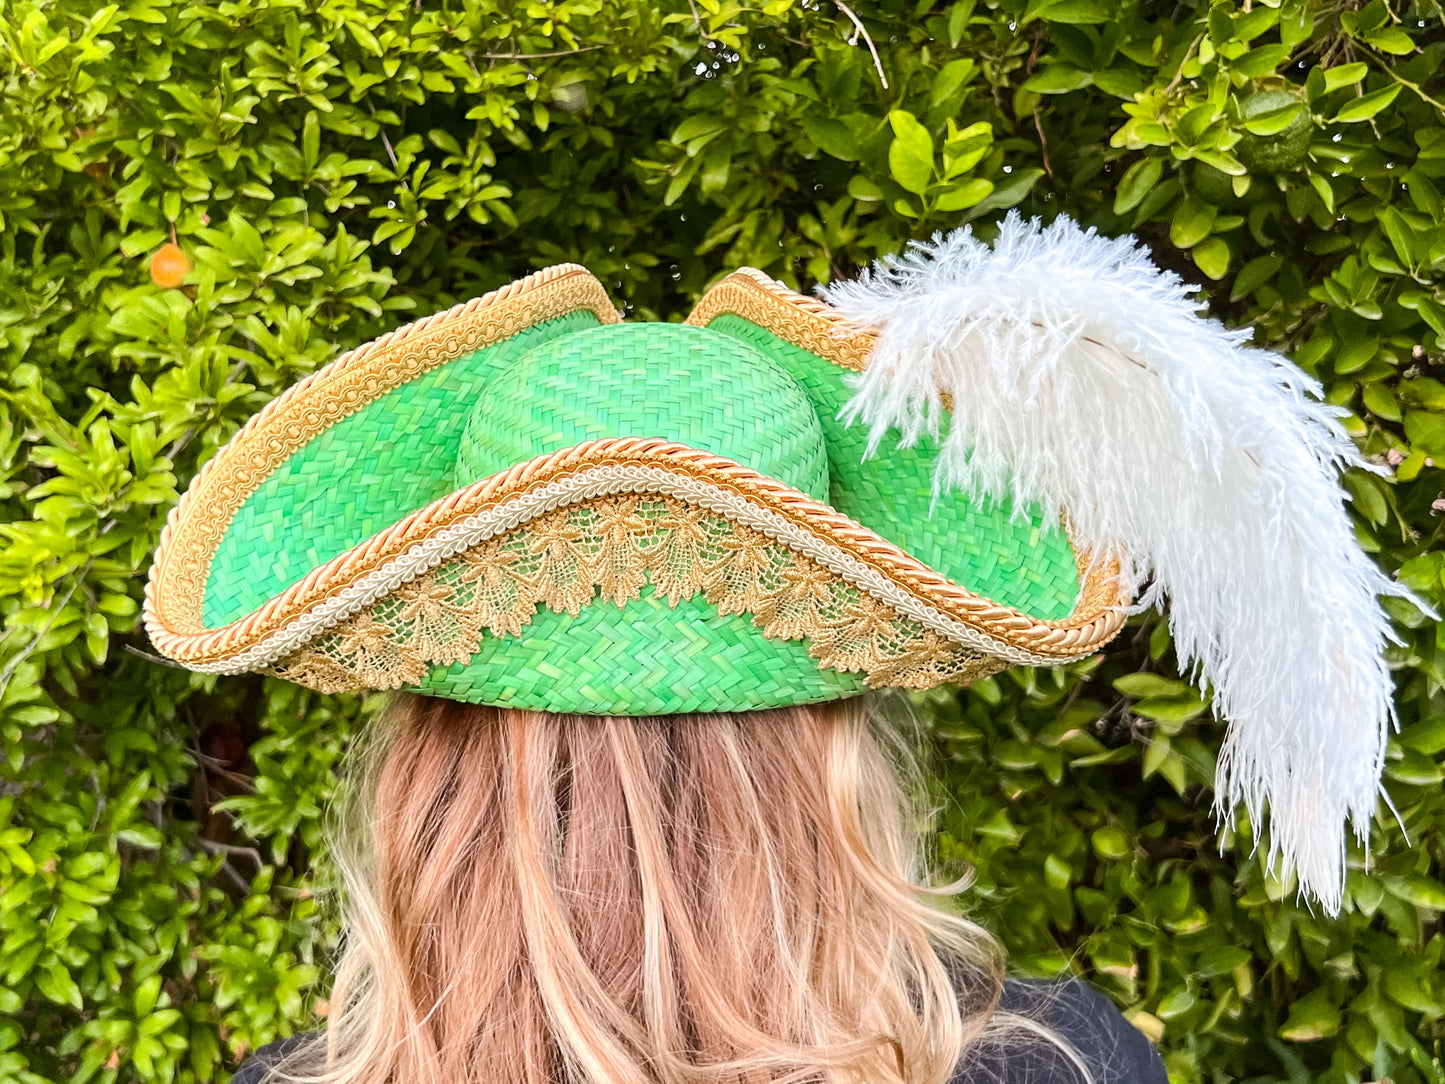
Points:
(703, 899)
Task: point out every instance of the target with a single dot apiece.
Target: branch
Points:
(1043, 143)
(217, 847)
(131, 649)
(1178, 75)
(541, 56)
(55, 611)
(1419, 91)
(863, 31)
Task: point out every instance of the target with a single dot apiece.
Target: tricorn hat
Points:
(525, 501)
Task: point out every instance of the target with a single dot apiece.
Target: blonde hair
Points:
(703, 899)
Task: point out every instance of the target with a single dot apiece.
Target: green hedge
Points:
(336, 169)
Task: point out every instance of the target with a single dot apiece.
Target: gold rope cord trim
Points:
(195, 526)
(1095, 620)
(793, 317)
(608, 548)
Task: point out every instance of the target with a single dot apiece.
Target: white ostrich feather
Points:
(1084, 379)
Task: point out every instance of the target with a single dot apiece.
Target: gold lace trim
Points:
(607, 549)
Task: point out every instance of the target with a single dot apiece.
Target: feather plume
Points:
(1084, 379)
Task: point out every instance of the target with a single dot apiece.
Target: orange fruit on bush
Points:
(169, 266)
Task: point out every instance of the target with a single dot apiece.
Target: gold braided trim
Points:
(601, 467)
(795, 318)
(194, 528)
(606, 550)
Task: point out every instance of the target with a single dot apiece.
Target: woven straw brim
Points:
(580, 475)
(336, 592)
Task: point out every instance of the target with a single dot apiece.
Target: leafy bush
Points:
(334, 170)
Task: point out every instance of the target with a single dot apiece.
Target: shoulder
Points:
(1114, 1051)
(255, 1069)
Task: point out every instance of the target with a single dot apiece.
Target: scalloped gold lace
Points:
(604, 551)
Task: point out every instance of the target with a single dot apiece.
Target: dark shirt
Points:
(1114, 1051)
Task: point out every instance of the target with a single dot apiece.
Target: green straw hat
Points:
(525, 502)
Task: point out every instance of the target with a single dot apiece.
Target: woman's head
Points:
(723, 898)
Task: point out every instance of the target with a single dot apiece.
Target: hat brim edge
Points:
(347, 584)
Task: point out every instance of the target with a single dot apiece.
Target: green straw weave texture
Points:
(682, 383)
(733, 389)
(976, 541)
(645, 659)
(357, 478)
(659, 380)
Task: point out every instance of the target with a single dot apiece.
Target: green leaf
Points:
(1222, 960)
(1275, 120)
(1111, 843)
(1421, 891)
(1191, 223)
(1310, 1019)
(1296, 22)
(964, 195)
(1171, 709)
(1344, 75)
(1426, 736)
(1381, 402)
(1255, 274)
(1144, 685)
(1076, 12)
(1009, 191)
(1058, 79)
(950, 78)
(311, 141)
(832, 136)
(1262, 61)
(1411, 990)
(1158, 752)
(1367, 106)
(697, 131)
(1367, 497)
(864, 190)
(54, 981)
(147, 993)
(910, 156)
(1391, 40)
(1136, 183)
(958, 19)
(1196, 122)
(1212, 257)
(1120, 82)
(1355, 355)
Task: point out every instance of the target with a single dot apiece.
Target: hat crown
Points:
(681, 383)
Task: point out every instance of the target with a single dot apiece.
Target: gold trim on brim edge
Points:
(1096, 618)
(604, 551)
(795, 318)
